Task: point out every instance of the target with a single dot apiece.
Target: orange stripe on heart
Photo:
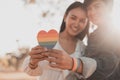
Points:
(47, 39)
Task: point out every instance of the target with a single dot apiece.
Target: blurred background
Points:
(20, 21)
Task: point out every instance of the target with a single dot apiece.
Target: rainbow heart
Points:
(47, 39)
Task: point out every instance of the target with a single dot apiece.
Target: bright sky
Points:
(15, 24)
(21, 22)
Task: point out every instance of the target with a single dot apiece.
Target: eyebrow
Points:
(97, 3)
(76, 16)
(73, 15)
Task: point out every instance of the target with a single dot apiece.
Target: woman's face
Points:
(75, 21)
(97, 12)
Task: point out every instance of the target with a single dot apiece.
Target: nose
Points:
(77, 23)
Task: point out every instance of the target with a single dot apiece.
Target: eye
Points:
(97, 6)
(73, 18)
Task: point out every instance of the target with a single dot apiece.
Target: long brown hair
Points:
(73, 6)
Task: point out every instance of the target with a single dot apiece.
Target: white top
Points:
(45, 72)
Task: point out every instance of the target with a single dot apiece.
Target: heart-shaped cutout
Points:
(47, 39)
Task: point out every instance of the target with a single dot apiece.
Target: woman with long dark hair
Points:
(66, 57)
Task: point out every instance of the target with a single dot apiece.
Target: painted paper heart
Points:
(47, 39)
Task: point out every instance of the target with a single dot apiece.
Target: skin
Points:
(35, 55)
(76, 21)
(98, 13)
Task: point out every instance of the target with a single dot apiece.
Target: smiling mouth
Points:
(75, 28)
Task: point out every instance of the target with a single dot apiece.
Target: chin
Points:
(74, 34)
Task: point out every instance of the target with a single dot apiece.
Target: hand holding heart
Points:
(59, 59)
(45, 52)
(45, 40)
(36, 54)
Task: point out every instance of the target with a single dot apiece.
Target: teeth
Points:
(75, 29)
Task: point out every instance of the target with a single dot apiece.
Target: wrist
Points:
(75, 65)
(71, 64)
(33, 66)
(80, 66)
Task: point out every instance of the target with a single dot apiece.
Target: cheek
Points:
(101, 12)
(89, 15)
(83, 26)
(68, 22)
